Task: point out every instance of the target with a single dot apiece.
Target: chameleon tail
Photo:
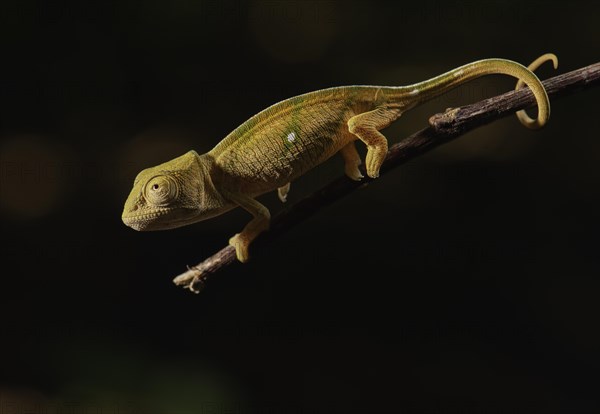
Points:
(522, 115)
(407, 97)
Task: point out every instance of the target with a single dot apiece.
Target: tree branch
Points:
(443, 128)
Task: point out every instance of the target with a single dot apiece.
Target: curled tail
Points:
(412, 95)
(522, 115)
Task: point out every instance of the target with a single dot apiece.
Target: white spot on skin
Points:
(414, 92)
(291, 137)
(457, 74)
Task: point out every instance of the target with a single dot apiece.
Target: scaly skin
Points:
(284, 141)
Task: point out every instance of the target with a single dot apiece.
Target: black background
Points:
(465, 281)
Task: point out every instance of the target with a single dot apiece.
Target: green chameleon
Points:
(284, 141)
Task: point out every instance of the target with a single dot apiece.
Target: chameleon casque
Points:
(284, 141)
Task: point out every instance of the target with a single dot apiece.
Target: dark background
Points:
(465, 281)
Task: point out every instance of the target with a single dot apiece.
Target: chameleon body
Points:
(284, 141)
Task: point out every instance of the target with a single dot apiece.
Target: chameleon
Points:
(284, 141)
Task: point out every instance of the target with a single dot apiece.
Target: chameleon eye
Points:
(161, 190)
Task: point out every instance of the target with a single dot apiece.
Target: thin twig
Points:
(443, 128)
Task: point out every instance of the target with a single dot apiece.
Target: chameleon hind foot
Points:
(366, 127)
(353, 172)
(241, 245)
(375, 157)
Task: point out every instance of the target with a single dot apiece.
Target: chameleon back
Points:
(285, 140)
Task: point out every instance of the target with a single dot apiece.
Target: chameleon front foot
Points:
(241, 245)
(282, 192)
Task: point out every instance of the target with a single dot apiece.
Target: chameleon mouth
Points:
(143, 221)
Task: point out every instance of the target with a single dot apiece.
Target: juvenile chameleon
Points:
(284, 141)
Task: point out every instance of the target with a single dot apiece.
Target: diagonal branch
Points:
(443, 128)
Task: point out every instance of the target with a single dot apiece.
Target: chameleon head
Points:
(169, 195)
